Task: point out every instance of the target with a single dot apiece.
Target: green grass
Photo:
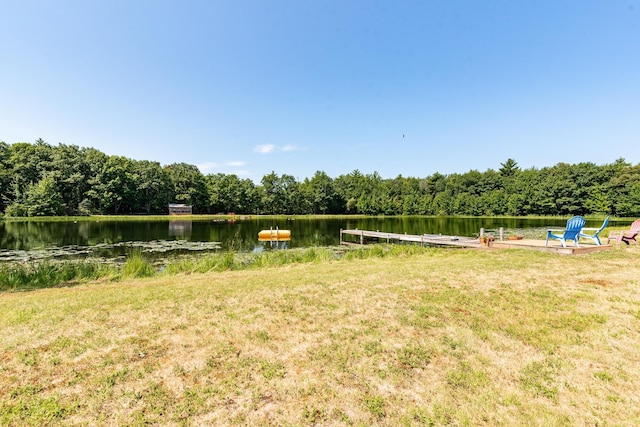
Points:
(136, 266)
(401, 337)
(21, 277)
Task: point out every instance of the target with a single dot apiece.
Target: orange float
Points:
(274, 235)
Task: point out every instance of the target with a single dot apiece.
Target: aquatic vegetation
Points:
(137, 264)
(46, 274)
(70, 251)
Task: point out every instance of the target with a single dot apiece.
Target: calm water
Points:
(34, 239)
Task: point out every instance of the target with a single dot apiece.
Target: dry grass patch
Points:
(446, 337)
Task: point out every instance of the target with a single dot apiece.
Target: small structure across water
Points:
(180, 209)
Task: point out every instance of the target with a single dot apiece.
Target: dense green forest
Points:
(41, 179)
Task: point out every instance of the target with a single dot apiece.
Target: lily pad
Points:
(154, 246)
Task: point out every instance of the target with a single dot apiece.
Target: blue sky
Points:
(296, 86)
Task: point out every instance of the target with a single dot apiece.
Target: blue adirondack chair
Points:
(571, 231)
(594, 236)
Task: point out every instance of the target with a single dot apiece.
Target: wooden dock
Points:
(554, 246)
(365, 236)
(362, 236)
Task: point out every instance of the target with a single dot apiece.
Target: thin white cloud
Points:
(290, 148)
(235, 164)
(226, 167)
(265, 149)
(270, 148)
(207, 167)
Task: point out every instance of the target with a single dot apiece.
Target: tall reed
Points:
(16, 277)
(137, 266)
(48, 274)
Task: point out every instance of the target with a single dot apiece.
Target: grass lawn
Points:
(462, 337)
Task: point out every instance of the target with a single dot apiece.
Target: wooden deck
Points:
(363, 236)
(554, 246)
(366, 236)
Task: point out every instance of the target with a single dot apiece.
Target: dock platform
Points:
(367, 236)
(554, 246)
(423, 239)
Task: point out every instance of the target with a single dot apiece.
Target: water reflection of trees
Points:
(243, 234)
(28, 235)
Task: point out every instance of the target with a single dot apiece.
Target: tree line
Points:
(40, 179)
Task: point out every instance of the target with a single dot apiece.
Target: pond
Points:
(29, 240)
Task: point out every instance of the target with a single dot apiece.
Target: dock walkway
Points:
(363, 236)
(424, 239)
(554, 247)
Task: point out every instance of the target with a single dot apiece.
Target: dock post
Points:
(482, 232)
(341, 236)
(361, 237)
(501, 233)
